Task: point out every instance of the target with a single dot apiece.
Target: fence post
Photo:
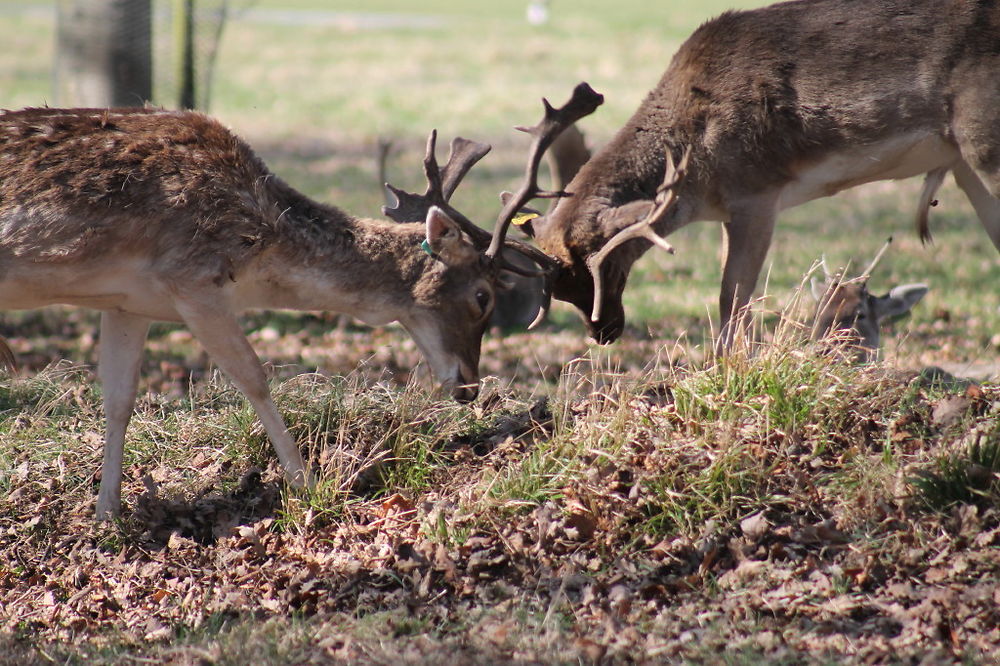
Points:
(104, 53)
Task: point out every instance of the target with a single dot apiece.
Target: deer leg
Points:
(748, 238)
(122, 339)
(220, 334)
(986, 204)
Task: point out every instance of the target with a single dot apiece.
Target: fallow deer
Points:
(775, 107)
(150, 215)
(853, 315)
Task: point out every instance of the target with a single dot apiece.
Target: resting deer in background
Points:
(772, 108)
(847, 310)
(153, 215)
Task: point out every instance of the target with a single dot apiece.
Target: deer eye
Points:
(482, 298)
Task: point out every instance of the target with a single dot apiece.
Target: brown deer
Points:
(150, 215)
(853, 315)
(766, 109)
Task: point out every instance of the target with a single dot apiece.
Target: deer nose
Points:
(607, 330)
(465, 387)
(465, 393)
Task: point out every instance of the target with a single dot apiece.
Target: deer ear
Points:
(627, 215)
(526, 218)
(818, 288)
(445, 239)
(899, 300)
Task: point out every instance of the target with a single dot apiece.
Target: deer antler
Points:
(664, 199)
(583, 102)
(441, 184)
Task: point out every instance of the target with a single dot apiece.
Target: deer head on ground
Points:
(775, 107)
(848, 312)
(150, 215)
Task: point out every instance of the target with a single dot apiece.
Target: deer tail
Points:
(932, 181)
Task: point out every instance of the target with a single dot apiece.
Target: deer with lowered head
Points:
(150, 215)
(848, 312)
(766, 109)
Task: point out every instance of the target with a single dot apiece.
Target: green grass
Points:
(968, 477)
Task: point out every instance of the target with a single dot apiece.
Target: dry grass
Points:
(606, 519)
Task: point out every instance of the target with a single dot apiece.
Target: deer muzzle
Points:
(609, 326)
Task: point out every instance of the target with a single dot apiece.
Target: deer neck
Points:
(626, 170)
(325, 259)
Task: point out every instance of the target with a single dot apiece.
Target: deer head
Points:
(596, 258)
(847, 311)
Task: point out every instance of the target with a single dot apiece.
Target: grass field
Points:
(621, 504)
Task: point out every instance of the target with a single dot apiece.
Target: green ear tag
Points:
(426, 247)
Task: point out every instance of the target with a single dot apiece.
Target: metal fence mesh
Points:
(184, 40)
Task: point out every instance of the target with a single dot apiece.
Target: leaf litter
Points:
(601, 563)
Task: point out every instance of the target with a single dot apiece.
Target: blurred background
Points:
(317, 87)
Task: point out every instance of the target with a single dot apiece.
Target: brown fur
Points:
(182, 188)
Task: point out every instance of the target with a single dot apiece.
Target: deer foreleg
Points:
(122, 339)
(219, 333)
(748, 238)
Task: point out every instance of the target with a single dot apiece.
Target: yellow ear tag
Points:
(519, 220)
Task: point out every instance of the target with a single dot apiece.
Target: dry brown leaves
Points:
(791, 579)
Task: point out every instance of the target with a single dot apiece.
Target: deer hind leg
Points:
(748, 238)
(122, 338)
(976, 128)
(220, 334)
(985, 202)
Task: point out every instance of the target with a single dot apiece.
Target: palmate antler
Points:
(665, 198)
(441, 184)
(583, 102)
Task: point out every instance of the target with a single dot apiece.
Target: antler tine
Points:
(583, 102)
(441, 184)
(412, 207)
(464, 155)
(543, 309)
(664, 199)
(878, 257)
(431, 171)
(822, 264)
